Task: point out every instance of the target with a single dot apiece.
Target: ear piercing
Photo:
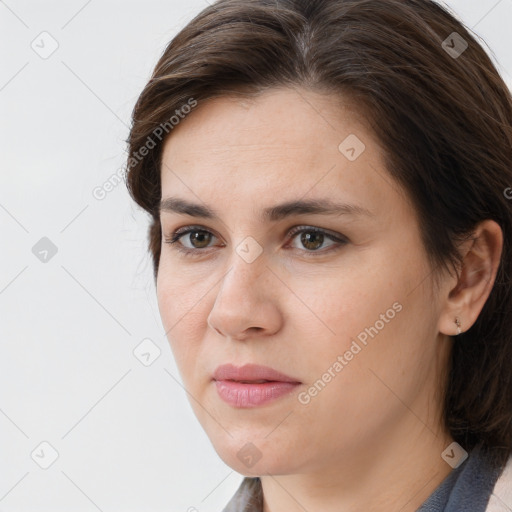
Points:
(457, 321)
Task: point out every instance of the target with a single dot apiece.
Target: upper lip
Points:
(250, 372)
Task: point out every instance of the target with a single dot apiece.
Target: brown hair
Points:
(444, 120)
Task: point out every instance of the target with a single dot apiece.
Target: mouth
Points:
(251, 373)
(251, 385)
(251, 381)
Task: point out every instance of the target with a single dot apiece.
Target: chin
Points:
(254, 458)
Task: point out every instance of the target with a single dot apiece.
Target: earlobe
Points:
(459, 329)
(465, 300)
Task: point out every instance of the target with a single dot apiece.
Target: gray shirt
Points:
(467, 488)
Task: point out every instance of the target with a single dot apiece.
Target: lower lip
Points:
(239, 394)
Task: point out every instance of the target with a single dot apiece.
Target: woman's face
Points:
(347, 313)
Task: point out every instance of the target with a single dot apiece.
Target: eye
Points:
(199, 238)
(313, 238)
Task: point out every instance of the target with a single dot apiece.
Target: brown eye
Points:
(199, 239)
(194, 241)
(191, 240)
(312, 239)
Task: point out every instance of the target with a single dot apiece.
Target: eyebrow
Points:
(270, 214)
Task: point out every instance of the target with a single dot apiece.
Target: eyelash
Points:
(179, 233)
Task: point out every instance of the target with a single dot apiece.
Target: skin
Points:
(372, 438)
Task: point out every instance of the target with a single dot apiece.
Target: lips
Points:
(251, 385)
(251, 373)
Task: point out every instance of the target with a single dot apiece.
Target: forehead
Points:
(283, 143)
(276, 118)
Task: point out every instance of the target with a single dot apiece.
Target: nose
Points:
(246, 305)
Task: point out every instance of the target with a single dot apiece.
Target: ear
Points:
(467, 293)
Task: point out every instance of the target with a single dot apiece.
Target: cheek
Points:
(338, 306)
(385, 337)
(179, 294)
(366, 313)
(182, 314)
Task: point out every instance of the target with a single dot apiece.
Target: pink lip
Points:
(236, 385)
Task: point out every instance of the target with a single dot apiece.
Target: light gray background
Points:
(125, 434)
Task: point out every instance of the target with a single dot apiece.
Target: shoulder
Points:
(501, 497)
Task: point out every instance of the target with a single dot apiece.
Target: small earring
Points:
(457, 321)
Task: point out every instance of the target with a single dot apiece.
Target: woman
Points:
(331, 224)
